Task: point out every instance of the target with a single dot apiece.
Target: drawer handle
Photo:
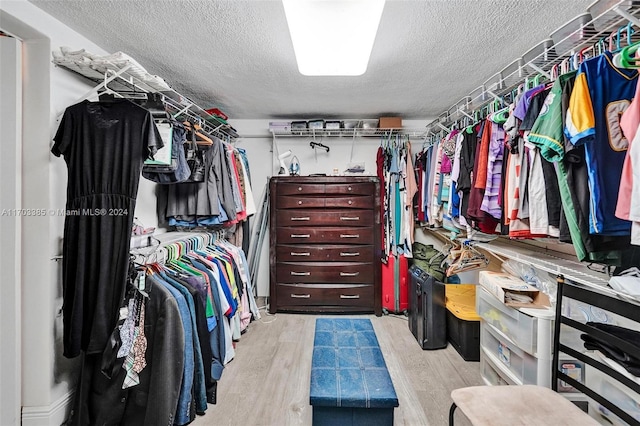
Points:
(300, 235)
(347, 254)
(349, 274)
(299, 203)
(349, 218)
(299, 188)
(293, 253)
(349, 296)
(349, 188)
(300, 274)
(301, 296)
(300, 218)
(349, 235)
(350, 202)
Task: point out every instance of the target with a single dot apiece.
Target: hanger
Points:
(583, 53)
(599, 46)
(500, 116)
(627, 57)
(201, 138)
(476, 119)
(469, 258)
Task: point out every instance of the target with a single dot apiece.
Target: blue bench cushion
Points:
(347, 368)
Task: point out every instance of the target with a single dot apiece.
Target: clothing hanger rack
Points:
(125, 77)
(174, 244)
(614, 19)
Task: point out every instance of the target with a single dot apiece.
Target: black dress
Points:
(104, 145)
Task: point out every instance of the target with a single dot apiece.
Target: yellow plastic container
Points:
(461, 301)
(463, 323)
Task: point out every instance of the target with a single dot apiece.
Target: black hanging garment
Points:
(104, 145)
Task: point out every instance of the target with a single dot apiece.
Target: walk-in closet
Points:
(320, 212)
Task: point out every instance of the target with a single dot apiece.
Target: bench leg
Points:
(451, 411)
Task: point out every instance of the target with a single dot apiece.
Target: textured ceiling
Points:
(238, 55)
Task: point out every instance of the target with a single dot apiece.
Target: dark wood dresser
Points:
(325, 244)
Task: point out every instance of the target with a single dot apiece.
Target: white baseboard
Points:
(52, 415)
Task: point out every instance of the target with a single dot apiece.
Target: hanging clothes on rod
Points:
(190, 299)
(539, 165)
(223, 198)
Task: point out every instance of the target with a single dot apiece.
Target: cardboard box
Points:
(390, 123)
(498, 284)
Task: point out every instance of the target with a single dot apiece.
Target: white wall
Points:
(262, 154)
(47, 377)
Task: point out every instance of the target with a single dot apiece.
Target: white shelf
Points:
(550, 261)
(123, 74)
(350, 133)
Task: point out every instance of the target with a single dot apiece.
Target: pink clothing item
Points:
(629, 124)
(446, 165)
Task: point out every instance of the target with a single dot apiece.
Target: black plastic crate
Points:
(464, 336)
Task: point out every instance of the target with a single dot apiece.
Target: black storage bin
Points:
(464, 336)
(427, 310)
(298, 125)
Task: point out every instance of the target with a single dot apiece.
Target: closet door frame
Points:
(10, 229)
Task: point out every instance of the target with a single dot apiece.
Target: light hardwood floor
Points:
(268, 381)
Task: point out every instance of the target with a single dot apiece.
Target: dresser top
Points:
(323, 179)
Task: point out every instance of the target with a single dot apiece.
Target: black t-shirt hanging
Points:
(104, 145)
(537, 102)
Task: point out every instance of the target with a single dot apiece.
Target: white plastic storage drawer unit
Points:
(523, 366)
(491, 373)
(521, 328)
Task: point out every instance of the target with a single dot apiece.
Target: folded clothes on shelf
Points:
(96, 66)
(628, 282)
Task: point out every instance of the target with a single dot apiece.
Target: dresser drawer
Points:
(300, 188)
(328, 188)
(335, 253)
(325, 217)
(357, 202)
(350, 188)
(324, 272)
(299, 202)
(328, 235)
(324, 295)
(323, 201)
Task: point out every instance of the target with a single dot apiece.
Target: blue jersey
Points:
(601, 94)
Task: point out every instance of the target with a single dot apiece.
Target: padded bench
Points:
(350, 384)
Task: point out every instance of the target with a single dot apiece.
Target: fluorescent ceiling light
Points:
(333, 37)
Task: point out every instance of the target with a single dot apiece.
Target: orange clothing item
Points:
(483, 160)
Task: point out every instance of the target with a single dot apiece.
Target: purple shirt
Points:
(490, 201)
(525, 100)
